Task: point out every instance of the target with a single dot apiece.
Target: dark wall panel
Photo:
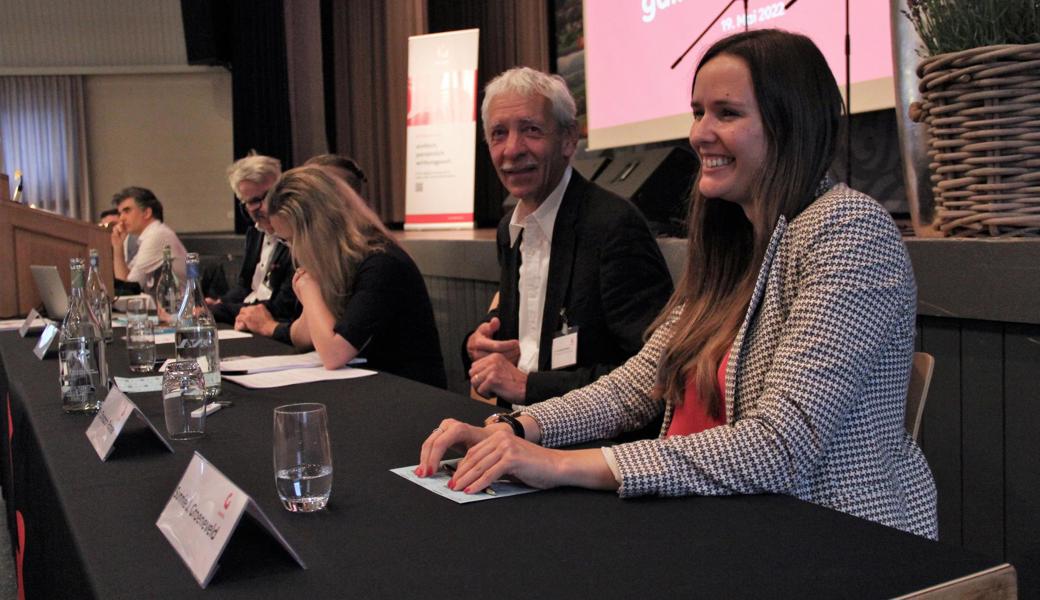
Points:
(941, 428)
(982, 405)
(1022, 435)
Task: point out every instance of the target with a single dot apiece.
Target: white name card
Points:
(28, 323)
(109, 422)
(201, 515)
(47, 339)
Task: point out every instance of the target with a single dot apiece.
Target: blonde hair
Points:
(333, 230)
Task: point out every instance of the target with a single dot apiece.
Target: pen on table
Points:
(450, 468)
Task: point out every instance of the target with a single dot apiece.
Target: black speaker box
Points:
(657, 181)
(207, 31)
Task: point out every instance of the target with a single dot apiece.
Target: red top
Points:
(692, 416)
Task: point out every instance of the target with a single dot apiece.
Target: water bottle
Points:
(82, 369)
(97, 297)
(167, 290)
(196, 333)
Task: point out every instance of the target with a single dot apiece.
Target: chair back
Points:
(917, 391)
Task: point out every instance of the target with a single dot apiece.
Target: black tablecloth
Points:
(90, 526)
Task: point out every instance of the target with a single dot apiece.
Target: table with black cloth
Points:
(89, 527)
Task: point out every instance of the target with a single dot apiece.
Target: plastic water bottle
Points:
(167, 290)
(82, 369)
(97, 297)
(196, 333)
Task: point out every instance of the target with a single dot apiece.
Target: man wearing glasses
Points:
(262, 300)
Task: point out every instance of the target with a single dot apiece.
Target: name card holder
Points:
(46, 344)
(202, 514)
(28, 323)
(115, 411)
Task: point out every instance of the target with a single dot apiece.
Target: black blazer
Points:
(605, 271)
(282, 303)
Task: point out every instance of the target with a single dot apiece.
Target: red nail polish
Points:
(421, 471)
(451, 484)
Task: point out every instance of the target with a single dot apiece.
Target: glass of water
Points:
(140, 336)
(302, 456)
(184, 400)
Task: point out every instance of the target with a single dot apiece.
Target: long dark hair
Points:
(801, 113)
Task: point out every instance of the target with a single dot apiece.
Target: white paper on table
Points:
(273, 379)
(222, 334)
(262, 364)
(137, 385)
(438, 484)
(13, 324)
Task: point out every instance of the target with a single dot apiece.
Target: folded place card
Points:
(201, 515)
(47, 340)
(110, 419)
(30, 321)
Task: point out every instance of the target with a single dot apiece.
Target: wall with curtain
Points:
(170, 133)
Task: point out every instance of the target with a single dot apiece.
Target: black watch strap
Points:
(518, 427)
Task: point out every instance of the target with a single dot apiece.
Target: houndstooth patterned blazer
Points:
(815, 386)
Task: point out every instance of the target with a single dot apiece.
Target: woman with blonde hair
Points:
(782, 360)
(362, 295)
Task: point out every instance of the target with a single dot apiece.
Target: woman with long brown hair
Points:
(782, 360)
(362, 295)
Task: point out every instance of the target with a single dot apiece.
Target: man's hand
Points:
(494, 375)
(256, 318)
(118, 236)
(481, 343)
(212, 301)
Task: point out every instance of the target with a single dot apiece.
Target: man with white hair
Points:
(581, 275)
(262, 300)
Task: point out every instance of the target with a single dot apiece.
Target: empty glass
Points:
(302, 457)
(184, 400)
(140, 336)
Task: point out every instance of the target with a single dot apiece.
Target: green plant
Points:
(954, 25)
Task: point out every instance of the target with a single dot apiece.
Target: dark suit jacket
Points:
(605, 270)
(282, 304)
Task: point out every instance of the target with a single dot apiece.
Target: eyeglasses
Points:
(253, 202)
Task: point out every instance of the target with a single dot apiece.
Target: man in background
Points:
(141, 215)
(262, 300)
(581, 275)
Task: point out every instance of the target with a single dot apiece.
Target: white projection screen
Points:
(634, 97)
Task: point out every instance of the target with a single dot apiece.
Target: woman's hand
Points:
(495, 451)
(305, 286)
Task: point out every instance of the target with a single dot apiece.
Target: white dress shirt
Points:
(535, 249)
(149, 255)
(261, 291)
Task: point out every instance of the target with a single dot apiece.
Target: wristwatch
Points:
(513, 421)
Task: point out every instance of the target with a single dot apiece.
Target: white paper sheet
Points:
(438, 484)
(263, 364)
(273, 379)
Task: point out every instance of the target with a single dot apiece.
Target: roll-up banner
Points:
(442, 130)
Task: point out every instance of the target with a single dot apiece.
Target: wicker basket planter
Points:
(982, 107)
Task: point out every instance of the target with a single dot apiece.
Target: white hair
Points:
(526, 81)
(254, 168)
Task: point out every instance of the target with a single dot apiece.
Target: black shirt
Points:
(389, 319)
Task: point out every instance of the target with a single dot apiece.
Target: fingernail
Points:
(420, 472)
(451, 484)
(468, 490)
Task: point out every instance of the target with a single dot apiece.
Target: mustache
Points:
(519, 166)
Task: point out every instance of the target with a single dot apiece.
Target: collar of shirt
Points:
(149, 229)
(545, 215)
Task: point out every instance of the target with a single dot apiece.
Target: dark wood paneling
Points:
(458, 305)
(1022, 452)
(982, 441)
(941, 428)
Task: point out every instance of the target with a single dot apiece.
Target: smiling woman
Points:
(781, 362)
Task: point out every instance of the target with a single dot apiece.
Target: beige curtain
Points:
(371, 74)
(306, 84)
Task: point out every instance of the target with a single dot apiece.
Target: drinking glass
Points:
(184, 400)
(140, 336)
(302, 456)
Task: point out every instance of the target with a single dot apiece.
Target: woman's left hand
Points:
(503, 453)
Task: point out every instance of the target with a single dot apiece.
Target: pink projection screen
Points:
(634, 97)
